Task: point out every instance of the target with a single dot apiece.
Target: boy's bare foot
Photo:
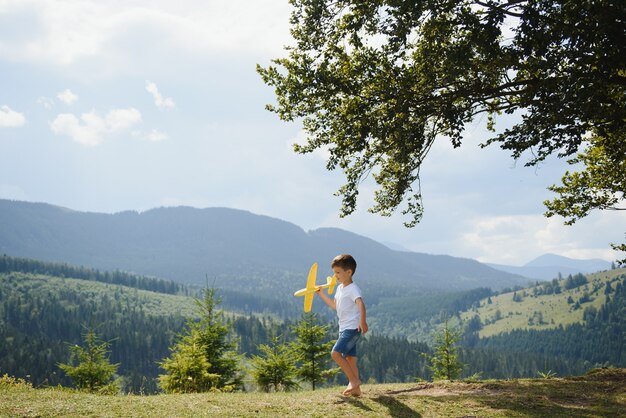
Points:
(353, 390)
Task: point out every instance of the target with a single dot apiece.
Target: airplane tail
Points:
(331, 282)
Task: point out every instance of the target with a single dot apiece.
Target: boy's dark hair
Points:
(345, 261)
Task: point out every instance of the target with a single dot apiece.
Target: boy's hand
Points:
(363, 328)
(326, 299)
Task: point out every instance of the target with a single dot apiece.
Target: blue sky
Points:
(131, 105)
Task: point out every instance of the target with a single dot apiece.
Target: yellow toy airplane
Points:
(311, 288)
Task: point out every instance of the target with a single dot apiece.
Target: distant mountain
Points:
(548, 266)
(585, 266)
(235, 247)
(396, 247)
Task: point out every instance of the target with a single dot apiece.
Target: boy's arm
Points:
(330, 302)
(363, 324)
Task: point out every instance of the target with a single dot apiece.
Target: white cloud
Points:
(160, 101)
(67, 97)
(518, 239)
(89, 132)
(120, 119)
(128, 35)
(91, 128)
(156, 136)
(153, 136)
(504, 236)
(9, 118)
(45, 102)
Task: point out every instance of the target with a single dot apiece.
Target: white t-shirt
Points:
(347, 309)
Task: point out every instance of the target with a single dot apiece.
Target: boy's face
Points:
(342, 275)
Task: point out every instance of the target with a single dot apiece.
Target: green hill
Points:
(600, 393)
(41, 314)
(546, 305)
(564, 326)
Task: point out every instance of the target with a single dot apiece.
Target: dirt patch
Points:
(429, 389)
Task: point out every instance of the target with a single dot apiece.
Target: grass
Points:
(554, 309)
(601, 393)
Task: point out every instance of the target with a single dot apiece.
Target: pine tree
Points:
(214, 332)
(311, 352)
(275, 369)
(187, 368)
(94, 372)
(219, 362)
(445, 362)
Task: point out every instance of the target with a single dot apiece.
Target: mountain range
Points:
(234, 247)
(188, 245)
(550, 266)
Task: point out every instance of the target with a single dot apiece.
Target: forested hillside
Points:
(42, 308)
(23, 265)
(546, 305)
(41, 313)
(579, 321)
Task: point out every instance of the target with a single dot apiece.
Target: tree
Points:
(601, 184)
(376, 82)
(92, 371)
(311, 352)
(275, 369)
(445, 363)
(204, 356)
(187, 369)
(214, 333)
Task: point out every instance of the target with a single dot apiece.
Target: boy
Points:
(350, 308)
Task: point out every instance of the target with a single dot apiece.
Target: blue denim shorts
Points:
(346, 344)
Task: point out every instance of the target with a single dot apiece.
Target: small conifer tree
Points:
(275, 369)
(187, 368)
(311, 351)
(89, 367)
(205, 358)
(445, 362)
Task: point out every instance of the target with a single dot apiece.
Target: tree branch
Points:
(504, 10)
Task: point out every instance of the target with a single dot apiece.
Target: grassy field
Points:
(542, 311)
(601, 393)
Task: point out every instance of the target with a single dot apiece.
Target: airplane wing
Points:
(310, 285)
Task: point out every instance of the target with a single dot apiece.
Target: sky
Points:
(107, 106)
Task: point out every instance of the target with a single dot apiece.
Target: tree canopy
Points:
(376, 82)
(601, 184)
